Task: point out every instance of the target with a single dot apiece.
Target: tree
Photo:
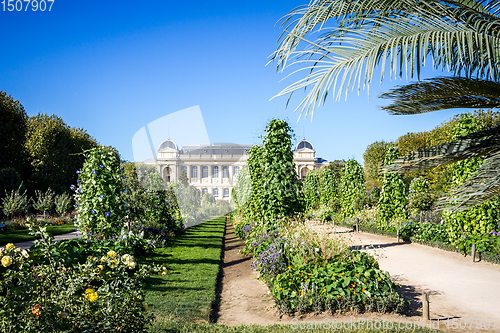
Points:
(374, 161)
(13, 127)
(55, 153)
(363, 35)
(328, 189)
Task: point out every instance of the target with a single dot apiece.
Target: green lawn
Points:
(188, 291)
(182, 300)
(16, 236)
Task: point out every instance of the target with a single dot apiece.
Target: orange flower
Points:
(36, 310)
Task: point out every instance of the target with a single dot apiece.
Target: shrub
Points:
(99, 195)
(63, 204)
(41, 294)
(311, 190)
(15, 203)
(420, 197)
(44, 202)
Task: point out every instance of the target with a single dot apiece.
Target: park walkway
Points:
(28, 244)
(458, 287)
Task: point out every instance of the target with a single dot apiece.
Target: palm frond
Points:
(481, 187)
(339, 61)
(367, 34)
(473, 145)
(442, 93)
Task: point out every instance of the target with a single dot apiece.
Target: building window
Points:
(204, 172)
(225, 172)
(215, 192)
(204, 191)
(215, 172)
(194, 172)
(235, 170)
(225, 193)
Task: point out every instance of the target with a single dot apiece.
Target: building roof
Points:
(304, 144)
(168, 144)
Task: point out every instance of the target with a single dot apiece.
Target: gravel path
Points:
(458, 287)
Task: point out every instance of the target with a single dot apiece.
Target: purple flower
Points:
(101, 196)
(72, 186)
(92, 211)
(102, 166)
(108, 214)
(77, 172)
(93, 171)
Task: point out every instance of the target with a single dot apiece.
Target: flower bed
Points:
(309, 272)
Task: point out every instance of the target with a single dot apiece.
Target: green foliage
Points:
(328, 189)
(359, 280)
(352, 186)
(281, 195)
(183, 178)
(63, 203)
(474, 224)
(311, 189)
(373, 161)
(13, 127)
(242, 191)
(207, 199)
(393, 200)
(101, 294)
(420, 196)
(44, 202)
(15, 203)
(54, 151)
(9, 180)
(275, 188)
(99, 194)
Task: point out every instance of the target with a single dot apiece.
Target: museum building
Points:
(213, 169)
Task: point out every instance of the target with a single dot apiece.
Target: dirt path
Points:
(28, 244)
(459, 289)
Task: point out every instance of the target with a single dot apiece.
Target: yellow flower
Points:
(91, 295)
(302, 293)
(363, 289)
(99, 269)
(25, 253)
(324, 291)
(289, 267)
(338, 296)
(103, 259)
(378, 278)
(112, 254)
(354, 292)
(10, 246)
(163, 271)
(6, 261)
(146, 307)
(113, 263)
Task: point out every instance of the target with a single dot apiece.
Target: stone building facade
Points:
(213, 169)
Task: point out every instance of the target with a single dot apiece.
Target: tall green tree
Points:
(373, 162)
(13, 127)
(352, 39)
(328, 188)
(55, 153)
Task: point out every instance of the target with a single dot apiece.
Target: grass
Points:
(22, 235)
(188, 292)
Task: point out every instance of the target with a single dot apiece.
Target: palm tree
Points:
(347, 40)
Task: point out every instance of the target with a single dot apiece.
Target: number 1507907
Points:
(25, 5)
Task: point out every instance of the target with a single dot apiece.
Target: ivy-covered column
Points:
(393, 200)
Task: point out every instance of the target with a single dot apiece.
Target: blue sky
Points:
(112, 67)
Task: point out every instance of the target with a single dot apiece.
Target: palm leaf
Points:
(473, 145)
(443, 93)
(481, 187)
(369, 34)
